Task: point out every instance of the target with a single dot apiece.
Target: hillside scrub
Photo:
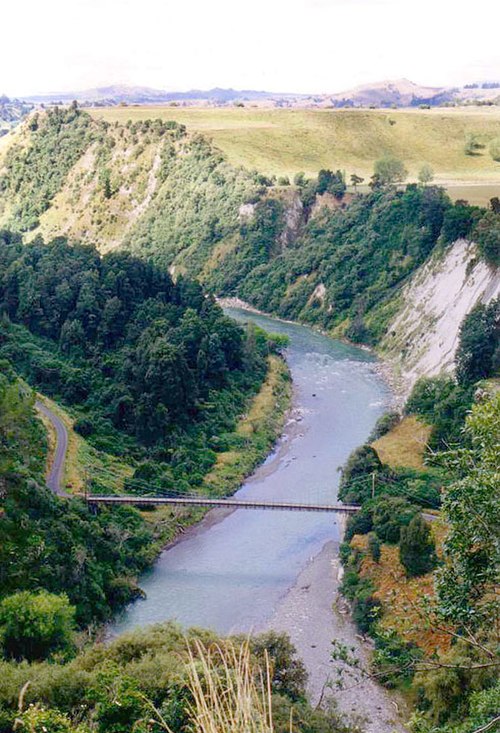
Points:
(58, 139)
(455, 623)
(151, 681)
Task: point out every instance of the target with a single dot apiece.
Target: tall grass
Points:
(230, 695)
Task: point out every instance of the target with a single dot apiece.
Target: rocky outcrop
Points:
(294, 219)
(423, 338)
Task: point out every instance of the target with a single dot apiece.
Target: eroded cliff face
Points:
(423, 338)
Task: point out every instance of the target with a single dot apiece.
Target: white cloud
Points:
(282, 45)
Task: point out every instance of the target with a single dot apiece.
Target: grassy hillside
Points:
(287, 141)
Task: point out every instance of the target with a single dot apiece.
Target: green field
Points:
(283, 142)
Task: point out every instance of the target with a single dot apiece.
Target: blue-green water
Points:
(229, 576)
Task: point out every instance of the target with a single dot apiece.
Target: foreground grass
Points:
(282, 142)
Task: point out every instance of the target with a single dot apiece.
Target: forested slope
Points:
(152, 368)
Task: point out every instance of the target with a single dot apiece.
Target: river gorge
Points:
(246, 571)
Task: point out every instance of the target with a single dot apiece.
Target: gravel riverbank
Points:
(314, 613)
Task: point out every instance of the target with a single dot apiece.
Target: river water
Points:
(230, 575)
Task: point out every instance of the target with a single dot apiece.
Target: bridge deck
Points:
(231, 503)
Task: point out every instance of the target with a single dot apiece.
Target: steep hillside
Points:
(310, 252)
(66, 174)
(423, 338)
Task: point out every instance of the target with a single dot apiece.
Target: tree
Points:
(416, 547)
(425, 174)
(356, 180)
(494, 148)
(374, 546)
(300, 179)
(471, 145)
(389, 170)
(289, 676)
(495, 204)
(35, 625)
(390, 516)
(458, 222)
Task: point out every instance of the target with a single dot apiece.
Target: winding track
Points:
(54, 480)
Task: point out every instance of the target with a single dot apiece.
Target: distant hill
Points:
(400, 92)
(389, 93)
(121, 94)
(405, 93)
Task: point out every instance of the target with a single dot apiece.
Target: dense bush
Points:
(52, 544)
(145, 361)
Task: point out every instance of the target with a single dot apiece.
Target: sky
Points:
(277, 45)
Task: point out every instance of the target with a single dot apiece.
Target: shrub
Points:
(288, 674)
(35, 625)
(390, 515)
(444, 404)
(417, 551)
(365, 611)
(38, 719)
(389, 170)
(472, 144)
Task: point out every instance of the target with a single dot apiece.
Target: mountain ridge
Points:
(384, 93)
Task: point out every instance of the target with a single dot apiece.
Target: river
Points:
(230, 575)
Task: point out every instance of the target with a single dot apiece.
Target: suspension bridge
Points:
(198, 501)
